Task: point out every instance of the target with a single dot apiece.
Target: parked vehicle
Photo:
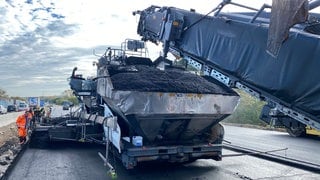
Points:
(23, 107)
(12, 108)
(3, 109)
(65, 106)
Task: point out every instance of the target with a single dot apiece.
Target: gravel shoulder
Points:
(9, 142)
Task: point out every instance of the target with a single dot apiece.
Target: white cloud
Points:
(42, 41)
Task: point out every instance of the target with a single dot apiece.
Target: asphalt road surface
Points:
(304, 149)
(81, 161)
(10, 117)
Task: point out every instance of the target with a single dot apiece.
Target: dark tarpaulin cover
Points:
(239, 48)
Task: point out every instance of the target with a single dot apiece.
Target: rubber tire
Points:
(297, 132)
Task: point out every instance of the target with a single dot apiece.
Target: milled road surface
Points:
(81, 162)
(305, 149)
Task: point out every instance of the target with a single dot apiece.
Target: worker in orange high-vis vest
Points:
(21, 122)
(30, 122)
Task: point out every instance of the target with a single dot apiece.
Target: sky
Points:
(43, 40)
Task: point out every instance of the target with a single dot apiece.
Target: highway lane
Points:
(79, 161)
(305, 149)
(10, 117)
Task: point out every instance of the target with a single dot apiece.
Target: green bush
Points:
(247, 112)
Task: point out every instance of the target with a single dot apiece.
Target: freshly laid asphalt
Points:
(65, 160)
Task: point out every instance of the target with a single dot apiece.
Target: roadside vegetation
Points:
(67, 95)
(247, 112)
(3, 94)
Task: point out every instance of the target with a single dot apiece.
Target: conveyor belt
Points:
(235, 47)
